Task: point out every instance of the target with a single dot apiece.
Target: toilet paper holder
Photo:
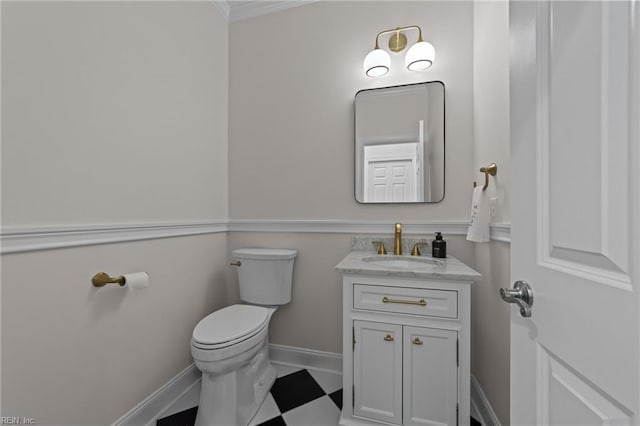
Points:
(101, 279)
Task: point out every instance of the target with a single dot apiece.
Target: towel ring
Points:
(491, 169)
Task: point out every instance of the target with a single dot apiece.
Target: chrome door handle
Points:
(522, 294)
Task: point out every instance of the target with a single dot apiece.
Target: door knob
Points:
(522, 294)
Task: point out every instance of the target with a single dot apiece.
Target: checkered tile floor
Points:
(298, 397)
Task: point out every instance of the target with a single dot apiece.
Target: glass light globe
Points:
(377, 63)
(420, 56)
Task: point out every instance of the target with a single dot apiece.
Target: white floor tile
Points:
(189, 399)
(268, 410)
(320, 412)
(329, 382)
(283, 370)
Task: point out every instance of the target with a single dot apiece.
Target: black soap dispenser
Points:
(439, 247)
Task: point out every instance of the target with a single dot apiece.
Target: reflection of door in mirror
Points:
(391, 173)
(400, 144)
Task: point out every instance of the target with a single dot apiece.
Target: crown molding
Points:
(234, 10)
(223, 8)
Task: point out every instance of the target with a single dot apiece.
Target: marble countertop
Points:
(421, 266)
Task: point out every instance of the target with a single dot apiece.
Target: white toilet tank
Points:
(265, 275)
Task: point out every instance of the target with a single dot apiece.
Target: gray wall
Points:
(292, 137)
(109, 105)
(291, 107)
(112, 113)
(490, 331)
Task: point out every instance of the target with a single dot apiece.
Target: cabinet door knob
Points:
(388, 338)
(417, 341)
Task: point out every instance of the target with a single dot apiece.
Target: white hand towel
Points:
(479, 227)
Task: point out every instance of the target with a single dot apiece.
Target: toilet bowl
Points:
(234, 360)
(230, 345)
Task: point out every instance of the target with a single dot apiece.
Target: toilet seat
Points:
(229, 326)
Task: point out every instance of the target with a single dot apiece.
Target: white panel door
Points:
(430, 376)
(390, 181)
(377, 371)
(575, 216)
(391, 173)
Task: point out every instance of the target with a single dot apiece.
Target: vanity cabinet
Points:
(406, 349)
(403, 374)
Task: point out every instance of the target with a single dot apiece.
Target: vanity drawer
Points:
(406, 300)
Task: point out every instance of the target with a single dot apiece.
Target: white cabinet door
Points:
(430, 376)
(377, 367)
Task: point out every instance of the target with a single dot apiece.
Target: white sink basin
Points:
(402, 261)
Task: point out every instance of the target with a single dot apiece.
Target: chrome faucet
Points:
(397, 241)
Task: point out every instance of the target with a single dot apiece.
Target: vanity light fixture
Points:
(419, 57)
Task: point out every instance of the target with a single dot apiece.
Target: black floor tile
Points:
(474, 422)
(183, 418)
(294, 390)
(337, 398)
(276, 421)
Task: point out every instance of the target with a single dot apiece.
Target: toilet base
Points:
(233, 398)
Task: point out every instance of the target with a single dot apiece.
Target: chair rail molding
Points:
(26, 239)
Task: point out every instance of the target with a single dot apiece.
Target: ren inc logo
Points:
(14, 420)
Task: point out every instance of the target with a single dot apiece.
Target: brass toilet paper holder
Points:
(101, 279)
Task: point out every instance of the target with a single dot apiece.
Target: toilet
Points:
(230, 346)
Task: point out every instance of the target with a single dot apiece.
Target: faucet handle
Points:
(415, 251)
(381, 249)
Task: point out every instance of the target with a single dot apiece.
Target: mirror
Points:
(400, 144)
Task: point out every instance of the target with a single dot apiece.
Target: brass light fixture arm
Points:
(402, 44)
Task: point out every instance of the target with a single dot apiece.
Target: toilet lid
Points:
(230, 323)
(264, 253)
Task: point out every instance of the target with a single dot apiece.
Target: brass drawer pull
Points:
(388, 338)
(420, 302)
(417, 341)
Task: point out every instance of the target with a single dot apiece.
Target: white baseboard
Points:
(306, 358)
(481, 409)
(147, 411)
